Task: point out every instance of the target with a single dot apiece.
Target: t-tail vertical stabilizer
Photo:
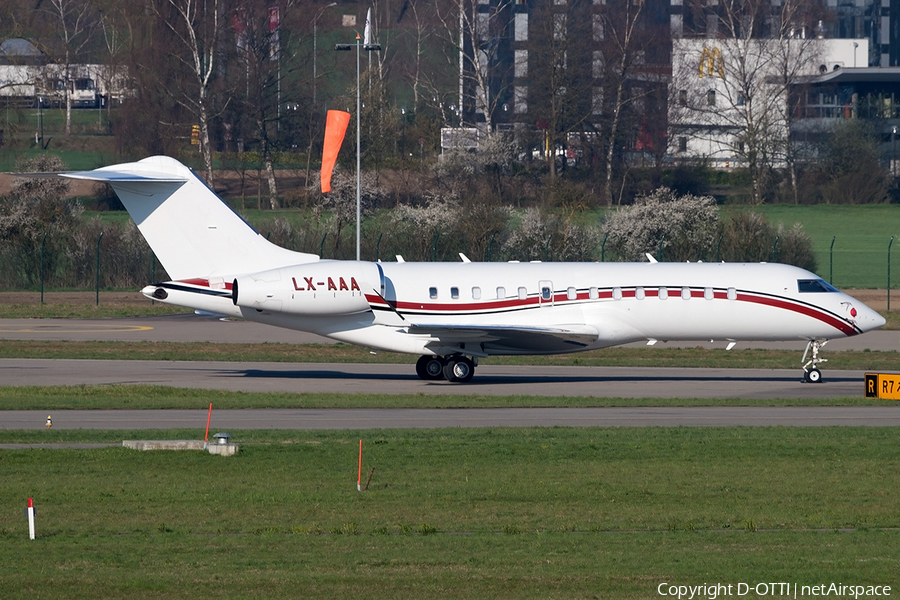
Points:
(190, 229)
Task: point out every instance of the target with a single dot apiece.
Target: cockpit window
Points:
(806, 286)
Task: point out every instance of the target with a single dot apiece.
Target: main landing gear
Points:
(454, 368)
(811, 372)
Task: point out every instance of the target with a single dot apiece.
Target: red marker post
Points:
(359, 474)
(30, 512)
(208, 417)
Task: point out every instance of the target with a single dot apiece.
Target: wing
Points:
(510, 339)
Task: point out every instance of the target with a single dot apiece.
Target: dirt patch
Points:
(876, 299)
(111, 299)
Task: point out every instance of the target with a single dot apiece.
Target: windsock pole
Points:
(30, 512)
(359, 474)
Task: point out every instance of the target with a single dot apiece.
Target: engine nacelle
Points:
(321, 288)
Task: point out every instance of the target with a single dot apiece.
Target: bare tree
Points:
(621, 21)
(475, 37)
(117, 26)
(560, 72)
(795, 56)
(422, 32)
(74, 21)
(265, 56)
(197, 25)
(738, 85)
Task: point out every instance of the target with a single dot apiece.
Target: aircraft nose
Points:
(868, 319)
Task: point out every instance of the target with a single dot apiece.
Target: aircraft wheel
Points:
(459, 369)
(813, 376)
(430, 368)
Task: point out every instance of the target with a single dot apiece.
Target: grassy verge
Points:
(344, 353)
(88, 310)
(499, 513)
(162, 397)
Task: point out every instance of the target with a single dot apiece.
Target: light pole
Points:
(368, 48)
(315, 45)
(893, 150)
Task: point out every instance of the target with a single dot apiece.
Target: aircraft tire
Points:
(430, 368)
(813, 376)
(459, 369)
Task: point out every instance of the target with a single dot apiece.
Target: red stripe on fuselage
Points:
(201, 282)
(514, 304)
(803, 309)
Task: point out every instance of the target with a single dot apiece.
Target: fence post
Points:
(547, 248)
(774, 249)
(890, 243)
(378, 247)
(603, 248)
(97, 272)
(43, 239)
(719, 246)
(488, 254)
(322, 245)
(831, 261)
(434, 247)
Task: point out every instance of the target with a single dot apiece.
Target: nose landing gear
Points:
(811, 372)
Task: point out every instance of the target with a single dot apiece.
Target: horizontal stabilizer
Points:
(110, 176)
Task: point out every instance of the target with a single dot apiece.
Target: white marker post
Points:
(30, 511)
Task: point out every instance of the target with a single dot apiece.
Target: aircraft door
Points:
(545, 295)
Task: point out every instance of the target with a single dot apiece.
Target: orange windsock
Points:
(336, 123)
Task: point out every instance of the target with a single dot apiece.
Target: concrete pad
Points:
(223, 449)
(163, 444)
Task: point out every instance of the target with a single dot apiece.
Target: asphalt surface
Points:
(491, 380)
(640, 382)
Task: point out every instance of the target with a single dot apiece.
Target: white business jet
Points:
(452, 314)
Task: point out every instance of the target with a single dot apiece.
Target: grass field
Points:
(499, 513)
(163, 397)
(861, 237)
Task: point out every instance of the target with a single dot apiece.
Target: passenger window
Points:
(639, 293)
(594, 293)
(663, 294)
(571, 293)
(476, 293)
(523, 293)
(501, 293)
(685, 293)
(708, 294)
(432, 293)
(617, 293)
(732, 294)
(454, 293)
(545, 293)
